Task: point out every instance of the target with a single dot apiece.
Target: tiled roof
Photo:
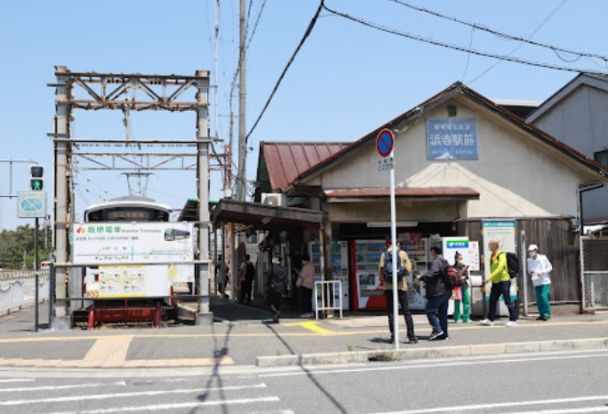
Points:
(286, 160)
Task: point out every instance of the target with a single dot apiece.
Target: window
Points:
(601, 157)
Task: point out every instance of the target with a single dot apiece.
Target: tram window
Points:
(128, 214)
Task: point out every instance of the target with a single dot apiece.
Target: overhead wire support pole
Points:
(242, 167)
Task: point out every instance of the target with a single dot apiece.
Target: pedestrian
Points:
(501, 285)
(461, 293)
(438, 295)
(246, 276)
(221, 275)
(306, 283)
(539, 269)
(276, 277)
(404, 267)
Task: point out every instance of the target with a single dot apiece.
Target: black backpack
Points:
(388, 266)
(512, 264)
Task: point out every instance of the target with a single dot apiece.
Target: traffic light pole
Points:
(37, 271)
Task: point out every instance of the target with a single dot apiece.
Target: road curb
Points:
(427, 353)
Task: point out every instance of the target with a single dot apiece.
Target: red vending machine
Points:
(366, 283)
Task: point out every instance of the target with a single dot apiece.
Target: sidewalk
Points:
(242, 334)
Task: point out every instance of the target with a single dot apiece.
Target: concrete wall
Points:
(580, 121)
(516, 175)
(406, 211)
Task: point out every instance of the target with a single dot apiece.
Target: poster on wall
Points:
(451, 139)
(502, 230)
(453, 245)
(474, 256)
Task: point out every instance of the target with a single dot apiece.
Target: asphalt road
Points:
(543, 383)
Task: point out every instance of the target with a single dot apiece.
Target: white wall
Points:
(516, 175)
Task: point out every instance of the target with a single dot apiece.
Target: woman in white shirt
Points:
(539, 269)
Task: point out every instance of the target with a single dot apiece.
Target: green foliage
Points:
(17, 245)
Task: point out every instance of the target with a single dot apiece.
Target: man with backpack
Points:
(404, 267)
(438, 293)
(246, 276)
(500, 277)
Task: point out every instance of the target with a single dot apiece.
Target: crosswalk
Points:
(211, 394)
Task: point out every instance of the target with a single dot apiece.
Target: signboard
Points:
(385, 164)
(31, 204)
(474, 256)
(385, 141)
(452, 245)
(124, 243)
(451, 138)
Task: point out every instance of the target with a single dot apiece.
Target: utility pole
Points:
(241, 184)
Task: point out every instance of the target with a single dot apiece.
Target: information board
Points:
(132, 243)
(451, 138)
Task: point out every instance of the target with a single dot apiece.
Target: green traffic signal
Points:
(36, 184)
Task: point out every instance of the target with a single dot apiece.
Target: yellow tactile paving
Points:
(313, 327)
(109, 351)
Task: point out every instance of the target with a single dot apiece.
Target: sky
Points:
(346, 81)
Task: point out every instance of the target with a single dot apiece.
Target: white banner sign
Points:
(126, 243)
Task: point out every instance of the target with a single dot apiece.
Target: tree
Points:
(13, 243)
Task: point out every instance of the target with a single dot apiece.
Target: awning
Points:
(345, 195)
(264, 216)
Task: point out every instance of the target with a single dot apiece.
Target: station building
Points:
(461, 161)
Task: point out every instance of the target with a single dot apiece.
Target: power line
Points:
(481, 27)
(311, 25)
(457, 47)
(255, 25)
(531, 35)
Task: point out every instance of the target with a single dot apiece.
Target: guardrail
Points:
(328, 296)
(12, 289)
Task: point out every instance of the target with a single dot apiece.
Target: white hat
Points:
(532, 247)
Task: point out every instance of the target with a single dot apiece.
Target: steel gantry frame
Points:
(126, 92)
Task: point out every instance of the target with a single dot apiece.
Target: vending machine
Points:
(367, 282)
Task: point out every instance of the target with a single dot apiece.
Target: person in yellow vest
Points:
(404, 267)
(501, 285)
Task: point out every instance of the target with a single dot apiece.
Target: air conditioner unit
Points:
(274, 199)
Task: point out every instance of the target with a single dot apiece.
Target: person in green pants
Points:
(539, 269)
(462, 293)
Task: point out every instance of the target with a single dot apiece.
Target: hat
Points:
(532, 247)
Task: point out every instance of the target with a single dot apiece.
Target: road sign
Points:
(385, 141)
(385, 164)
(31, 204)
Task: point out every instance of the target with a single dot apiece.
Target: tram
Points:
(125, 293)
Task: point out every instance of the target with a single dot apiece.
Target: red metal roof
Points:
(410, 192)
(286, 160)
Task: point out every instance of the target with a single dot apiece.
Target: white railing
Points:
(11, 297)
(14, 288)
(328, 296)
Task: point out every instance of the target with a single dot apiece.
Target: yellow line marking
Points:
(313, 327)
(135, 363)
(108, 351)
(453, 327)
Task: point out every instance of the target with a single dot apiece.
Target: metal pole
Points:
(524, 269)
(242, 101)
(52, 274)
(10, 178)
(37, 269)
(62, 173)
(395, 256)
(202, 136)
